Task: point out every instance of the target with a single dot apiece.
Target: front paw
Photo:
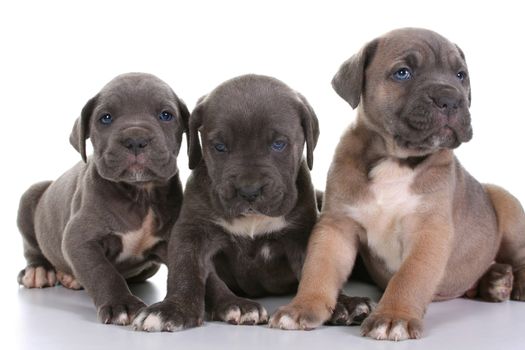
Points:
(239, 311)
(303, 316)
(389, 326)
(121, 311)
(351, 310)
(166, 316)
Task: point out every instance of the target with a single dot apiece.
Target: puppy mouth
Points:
(241, 208)
(434, 131)
(136, 173)
(144, 170)
(135, 163)
(250, 211)
(445, 137)
(136, 169)
(237, 207)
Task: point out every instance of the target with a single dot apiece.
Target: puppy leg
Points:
(330, 256)
(189, 253)
(92, 269)
(348, 310)
(39, 272)
(223, 305)
(400, 311)
(511, 225)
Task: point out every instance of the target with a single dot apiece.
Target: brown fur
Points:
(424, 227)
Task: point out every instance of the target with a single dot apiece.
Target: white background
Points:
(55, 55)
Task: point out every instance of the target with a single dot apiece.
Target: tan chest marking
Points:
(253, 225)
(382, 214)
(135, 243)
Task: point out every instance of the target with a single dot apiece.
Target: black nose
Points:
(136, 145)
(448, 104)
(250, 193)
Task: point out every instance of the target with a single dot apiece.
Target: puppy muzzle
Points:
(259, 197)
(134, 154)
(437, 118)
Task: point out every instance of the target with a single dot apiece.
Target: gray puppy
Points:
(106, 220)
(248, 210)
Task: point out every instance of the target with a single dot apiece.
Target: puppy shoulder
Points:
(347, 179)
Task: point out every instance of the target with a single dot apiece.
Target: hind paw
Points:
(68, 281)
(37, 277)
(496, 284)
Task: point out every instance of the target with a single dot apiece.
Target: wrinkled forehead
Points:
(137, 92)
(252, 117)
(418, 48)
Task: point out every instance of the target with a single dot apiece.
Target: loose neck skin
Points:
(388, 146)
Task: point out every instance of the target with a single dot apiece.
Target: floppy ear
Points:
(194, 146)
(349, 80)
(463, 57)
(80, 131)
(185, 115)
(310, 126)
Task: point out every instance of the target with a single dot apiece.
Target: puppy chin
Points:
(251, 211)
(138, 172)
(275, 201)
(236, 208)
(243, 209)
(444, 138)
(137, 175)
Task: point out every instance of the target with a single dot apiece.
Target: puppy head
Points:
(135, 124)
(413, 87)
(253, 130)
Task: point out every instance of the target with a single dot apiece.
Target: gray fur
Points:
(76, 224)
(209, 266)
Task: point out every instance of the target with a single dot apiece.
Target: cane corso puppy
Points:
(106, 220)
(425, 228)
(248, 210)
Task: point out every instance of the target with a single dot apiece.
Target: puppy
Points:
(105, 221)
(248, 210)
(424, 227)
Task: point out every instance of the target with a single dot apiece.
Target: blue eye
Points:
(165, 116)
(403, 74)
(106, 119)
(220, 147)
(461, 75)
(278, 146)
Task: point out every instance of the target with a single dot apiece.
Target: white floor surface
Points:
(57, 318)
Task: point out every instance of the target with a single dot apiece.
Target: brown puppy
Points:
(425, 228)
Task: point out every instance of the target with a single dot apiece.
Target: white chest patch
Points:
(266, 252)
(134, 243)
(253, 225)
(382, 215)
